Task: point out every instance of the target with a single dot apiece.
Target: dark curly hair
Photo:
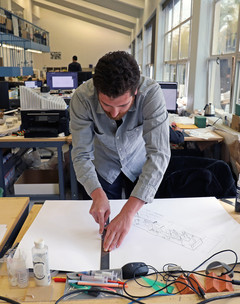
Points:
(116, 73)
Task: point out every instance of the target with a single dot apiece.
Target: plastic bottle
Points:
(40, 263)
(237, 203)
(21, 271)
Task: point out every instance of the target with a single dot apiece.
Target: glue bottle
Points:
(237, 203)
(40, 263)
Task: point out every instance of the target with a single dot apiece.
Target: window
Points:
(237, 86)
(220, 83)
(139, 50)
(223, 88)
(225, 26)
(149, 48)
(133, 49)
(178, 14)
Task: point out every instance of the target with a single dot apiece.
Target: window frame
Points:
(168, 31)
(234, 57)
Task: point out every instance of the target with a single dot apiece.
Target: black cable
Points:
(172, 275)
(228, 296)
(216, 121)
(222, 251)
(9, 300)
(95, 290)
(199, 292)
(216, 278)
(154, 273)
(234, 282)
(156, 291)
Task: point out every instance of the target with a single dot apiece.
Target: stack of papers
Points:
(205, 133)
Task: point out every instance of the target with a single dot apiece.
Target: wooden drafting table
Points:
(56, 290)
(14, 211)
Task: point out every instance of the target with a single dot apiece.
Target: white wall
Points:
(75, 37)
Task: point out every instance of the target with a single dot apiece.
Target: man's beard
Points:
(118, 117)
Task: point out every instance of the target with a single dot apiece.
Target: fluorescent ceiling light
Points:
(12, 47)
(34, 51)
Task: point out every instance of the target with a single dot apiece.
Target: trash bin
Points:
(1, 192)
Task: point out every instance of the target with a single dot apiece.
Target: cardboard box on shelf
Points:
(37, 182)
(235, 125)
(9, 24)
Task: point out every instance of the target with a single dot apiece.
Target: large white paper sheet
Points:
(3, 230)
(184, 231)
(71, 234)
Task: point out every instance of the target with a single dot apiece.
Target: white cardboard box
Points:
(37, 182)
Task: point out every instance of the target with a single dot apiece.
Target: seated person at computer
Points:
(74, 66)
(176, 134)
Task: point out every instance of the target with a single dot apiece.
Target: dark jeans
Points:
(114, 190)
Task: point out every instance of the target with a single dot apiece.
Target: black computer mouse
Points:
(135, 269)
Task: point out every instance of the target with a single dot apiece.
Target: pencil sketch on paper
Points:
(154, 223)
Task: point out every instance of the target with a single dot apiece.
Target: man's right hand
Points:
(100, 209)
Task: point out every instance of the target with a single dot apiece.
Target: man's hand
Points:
(121, 224)
(100, 209)
(175, 127)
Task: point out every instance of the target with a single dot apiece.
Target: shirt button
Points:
(120, 149)
(117, 137)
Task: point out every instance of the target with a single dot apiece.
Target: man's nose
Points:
(114, 112)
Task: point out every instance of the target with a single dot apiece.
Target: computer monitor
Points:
(169, 90)
(62, 80)
(84, 76)
(33, 84)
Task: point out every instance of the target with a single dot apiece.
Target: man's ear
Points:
(135, 92)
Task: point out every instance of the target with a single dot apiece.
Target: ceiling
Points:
(117, 15)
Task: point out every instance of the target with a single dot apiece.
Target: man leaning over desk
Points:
(120, 133)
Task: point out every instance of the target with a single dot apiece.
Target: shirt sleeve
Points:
(81, 125)
(156, 137)
(176, 137)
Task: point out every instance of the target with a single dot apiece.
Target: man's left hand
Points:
(121, 224)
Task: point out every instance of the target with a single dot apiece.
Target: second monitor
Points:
(169, 90)
(84, 76)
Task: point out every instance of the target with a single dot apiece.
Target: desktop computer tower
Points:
(4, 100)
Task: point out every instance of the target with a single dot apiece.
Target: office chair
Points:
(188, 176)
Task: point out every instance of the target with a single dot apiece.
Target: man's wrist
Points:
(133, 205)
(98, 192)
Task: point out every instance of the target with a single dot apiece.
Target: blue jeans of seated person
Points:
(114, 190)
